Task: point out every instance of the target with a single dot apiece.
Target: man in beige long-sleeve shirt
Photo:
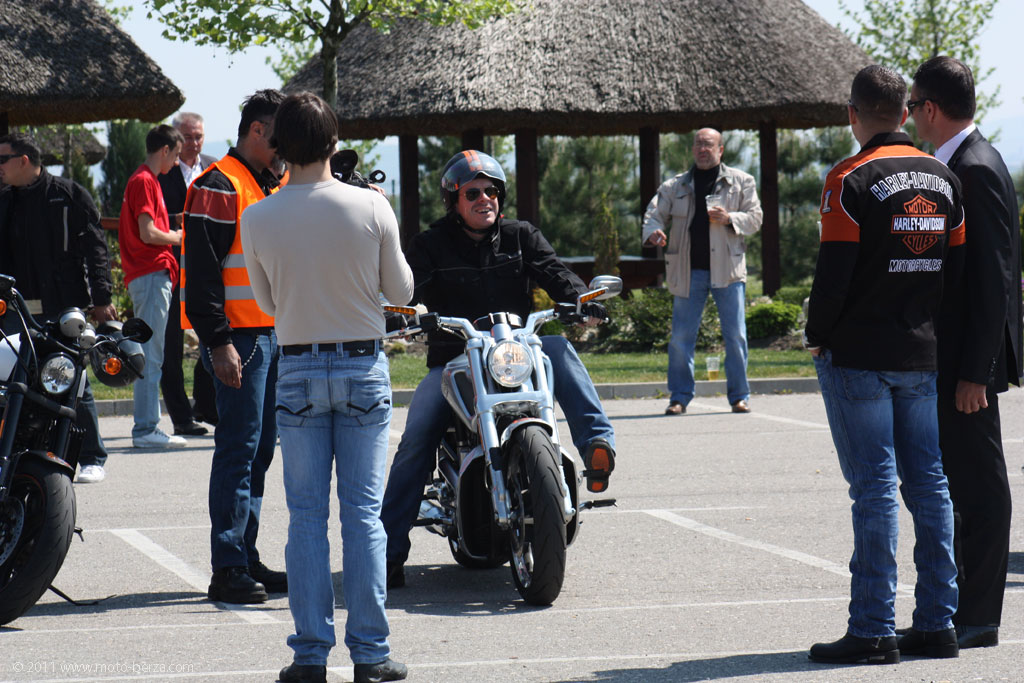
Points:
(318, 252)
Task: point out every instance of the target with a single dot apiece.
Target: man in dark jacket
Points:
(470, 263)
(174, 184)
(892, 226)
(52, 243)
(979, 344)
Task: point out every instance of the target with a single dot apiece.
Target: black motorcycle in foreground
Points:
(42, 378)
(505, 490)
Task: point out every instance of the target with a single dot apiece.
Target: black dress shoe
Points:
(936, 644)
(396, 575)
(192, 428)
(977, 636)
(853, 650)
(202, 417)
(234, 585)
(273, 581)
(303, 673)
(382, 671)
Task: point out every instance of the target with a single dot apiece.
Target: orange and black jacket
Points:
(211, 229)
(892, 228)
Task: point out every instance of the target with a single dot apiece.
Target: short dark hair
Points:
(879, 95)
(163, 136)
(23, 143)
(948, 83)
(259, 106)
(305, 129)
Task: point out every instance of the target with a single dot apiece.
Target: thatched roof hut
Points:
(54, 141)
(66, 61)
(598, 67)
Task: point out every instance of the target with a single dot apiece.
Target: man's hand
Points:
(102, 314)
(970, 397)
(717, 214)
(814, 350)
(227, 365)
(657, 239)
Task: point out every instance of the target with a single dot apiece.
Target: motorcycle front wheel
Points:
(36, 524)
(537, 525)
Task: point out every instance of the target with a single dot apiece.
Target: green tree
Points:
(583, 178)
(804, 159)
(239, 24)
(126, 149)
(902, 34)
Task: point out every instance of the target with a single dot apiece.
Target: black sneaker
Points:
(853, 650)
(396, 575)
(382, 671)
(273, 581)
(234, 585)
(303, 673)
(937, 644)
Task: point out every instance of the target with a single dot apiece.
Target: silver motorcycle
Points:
(504, 489)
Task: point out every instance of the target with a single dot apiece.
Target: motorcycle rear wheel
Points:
(538, 527)
(48, 500)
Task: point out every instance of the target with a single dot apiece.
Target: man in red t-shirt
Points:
(150, 272)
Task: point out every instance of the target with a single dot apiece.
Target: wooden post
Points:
(650, 175)
(771, 271)
(473, 139)
(409, 182)
(527, 178)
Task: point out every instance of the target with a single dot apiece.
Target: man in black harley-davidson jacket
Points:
(470, 263)
(52, 243)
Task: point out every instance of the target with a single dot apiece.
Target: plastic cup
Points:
(713, 364)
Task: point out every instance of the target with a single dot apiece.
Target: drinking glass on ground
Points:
(713, 363)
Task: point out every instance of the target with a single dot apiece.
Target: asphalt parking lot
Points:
(725, 559)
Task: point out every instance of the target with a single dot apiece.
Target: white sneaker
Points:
(91, 474)
(159, 439)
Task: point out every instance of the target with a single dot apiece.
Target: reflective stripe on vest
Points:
(240, 305)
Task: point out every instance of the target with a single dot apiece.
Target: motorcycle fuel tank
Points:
(9, 348)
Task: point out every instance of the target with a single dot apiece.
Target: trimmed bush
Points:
(771, 319)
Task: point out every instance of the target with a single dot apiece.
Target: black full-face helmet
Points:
(116, 369)
(469, 165)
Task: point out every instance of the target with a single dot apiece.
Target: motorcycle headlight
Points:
(57, 374)
(510, 363)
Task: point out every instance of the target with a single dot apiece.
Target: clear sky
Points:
(215, 83)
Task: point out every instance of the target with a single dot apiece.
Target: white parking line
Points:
(728, 536)
(184, 571)
(764, 416)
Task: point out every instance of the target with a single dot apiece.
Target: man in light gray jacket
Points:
(701, 217)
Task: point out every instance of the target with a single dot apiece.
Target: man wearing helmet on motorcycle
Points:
(468, 264)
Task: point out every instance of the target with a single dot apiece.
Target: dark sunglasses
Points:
(913, 104)
(4, 158)
(473, 193)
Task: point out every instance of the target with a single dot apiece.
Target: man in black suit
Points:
(979, 344)
(191, 162)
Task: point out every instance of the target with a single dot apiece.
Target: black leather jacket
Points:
(456, 276)
(52, 242)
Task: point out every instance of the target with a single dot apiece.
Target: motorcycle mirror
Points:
(136, 329)
(609, 282)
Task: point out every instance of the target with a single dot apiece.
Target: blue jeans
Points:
(686, 316)
(151, 300)
(428, 418)
(243, 448)
(334, 410)
(93, 452)
(885, 429)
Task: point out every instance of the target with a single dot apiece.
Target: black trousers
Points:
(972, 457)
(172, 379)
